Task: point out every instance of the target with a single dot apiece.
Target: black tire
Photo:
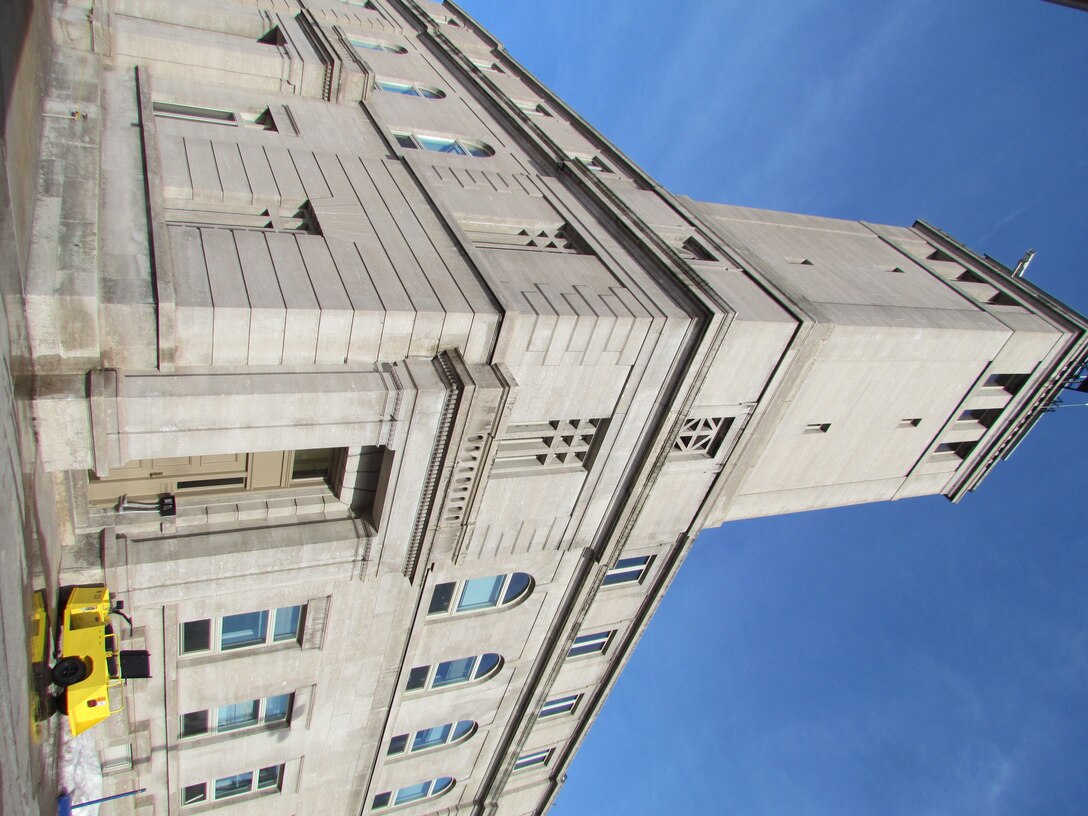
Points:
(68, 671)
(60, 704)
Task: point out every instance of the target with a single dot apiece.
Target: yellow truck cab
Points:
(90, 665)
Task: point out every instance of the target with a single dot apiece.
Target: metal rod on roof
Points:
(1023, 264)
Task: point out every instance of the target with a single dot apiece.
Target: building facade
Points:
(440, 388)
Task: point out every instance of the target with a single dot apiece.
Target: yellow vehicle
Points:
(90, 665)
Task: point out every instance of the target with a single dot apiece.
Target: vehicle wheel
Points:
(69, 670)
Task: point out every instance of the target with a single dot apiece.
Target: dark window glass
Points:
(417, 678)
(192, 794)
(487, 664)
(269, 777)
(194, 723)
(519, 582)
(196, 636)
(441, 598)
(398, 744)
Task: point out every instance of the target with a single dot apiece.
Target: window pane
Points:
(381, 800)
(396, 87)
(404, 140)
(429, 93)
(233, 785)
(311, 464)
(589, 644)
(196, 636)
(417, 678)
(237, 715)
(530, 760)
(412, 793)
(478, 150)
(287, 620)
(625, 563)
(191, 112)
(269, 777)
(441, 598)
(487, 663)
(463, 728)
(276, 708)
(398, 745)
(192, 794)
(194, 723)
(480, 593)
(441, 785)
(453, 671)
(519, 582)
(560, 705)
(430, 737)
(440, 145)
(244, 630)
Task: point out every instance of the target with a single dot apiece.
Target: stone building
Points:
(443, 387)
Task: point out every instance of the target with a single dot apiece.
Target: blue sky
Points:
(911, 658)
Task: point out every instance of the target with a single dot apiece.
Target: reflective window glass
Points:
(233, 785)
(430, 737)
(287, 620)
(453, 671)
(237, 715)
(276, 708)
(480, 593)
(246, 629)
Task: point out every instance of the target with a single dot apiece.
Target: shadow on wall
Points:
(25, 51)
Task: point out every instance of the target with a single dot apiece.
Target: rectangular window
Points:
(265, 711)
(628, 570)
(533, 759)
(233, 785)
(238, 715)
(818, 427)
(595, 643)
(193, 113)
(196, 636)
(243, 630)
(267, 779)
(247, 629)
(560, 705)
(481, 593)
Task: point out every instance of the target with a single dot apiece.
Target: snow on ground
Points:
(79, 771)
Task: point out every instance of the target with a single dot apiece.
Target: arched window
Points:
(409, 89)
(413, 793)
(453, 672)
(375, 45)
(440, 144)
(435, 737)
(476, 594)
